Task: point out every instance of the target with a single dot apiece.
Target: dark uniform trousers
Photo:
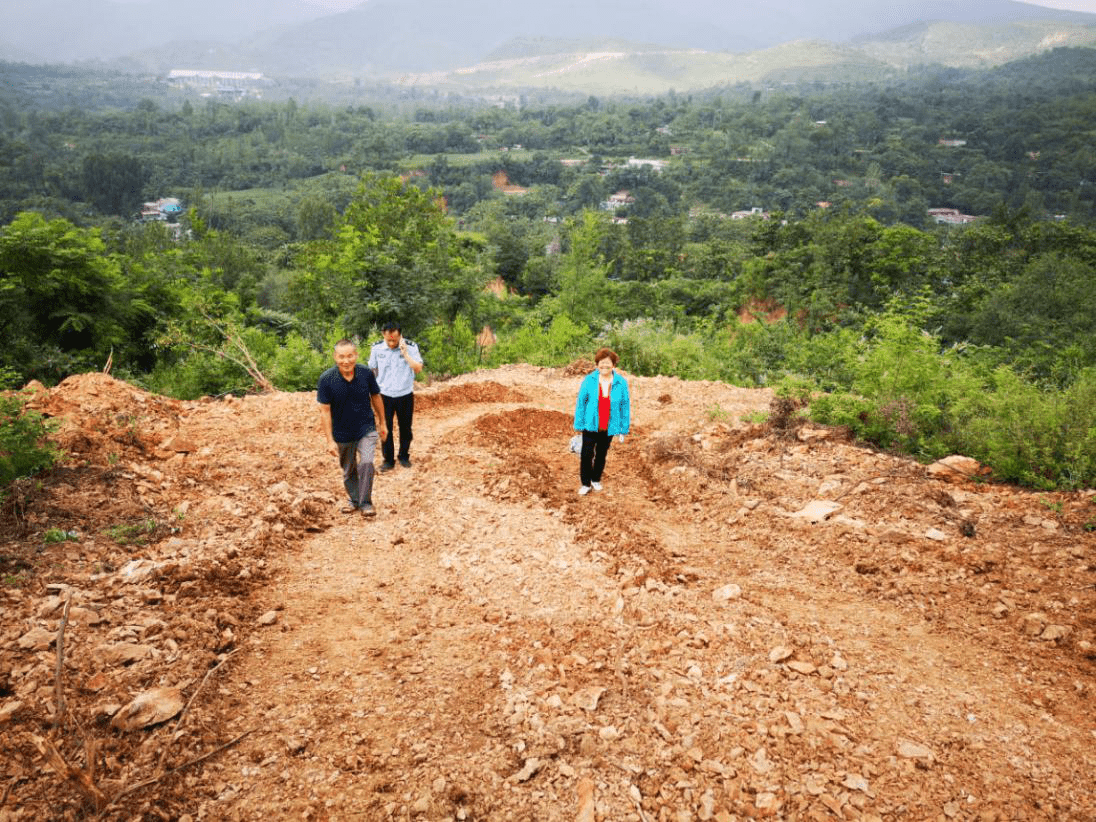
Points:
(402, 408)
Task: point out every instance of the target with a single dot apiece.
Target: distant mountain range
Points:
(603, 46)
(62, 31)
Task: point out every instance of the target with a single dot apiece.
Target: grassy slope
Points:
(619, 69)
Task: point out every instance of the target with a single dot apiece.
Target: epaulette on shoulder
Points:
(409, 342)
(378, 342)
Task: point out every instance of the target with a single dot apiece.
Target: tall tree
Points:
(63, 302)
(583, 283)
(394, 254)
(113, 182)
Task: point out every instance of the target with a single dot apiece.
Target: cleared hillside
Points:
(749, 621)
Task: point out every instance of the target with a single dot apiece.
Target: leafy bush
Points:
(450, 349)
(910, 383)
(830, 358)
(562, 341)
(196, 374)
(24, 449)
(54, 535)
(651, 347)
(906, 394)
(1035, 436)
(764, 353)
(757, 352)
(1043, 316)
(296, 365)
(213, 370)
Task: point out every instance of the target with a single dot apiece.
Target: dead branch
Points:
(182, 714)
(134, 788)
(242, 359)
(250, 366)
(7, 790)
(74, 774)
(91, 755)
(58, 685)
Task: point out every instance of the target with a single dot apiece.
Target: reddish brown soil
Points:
(679, 646)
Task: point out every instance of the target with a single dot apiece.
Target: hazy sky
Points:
(342, 5)
(1073, 5)
(333, 5)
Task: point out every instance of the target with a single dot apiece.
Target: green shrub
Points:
(562, 341)
(763, 353)
(24, 449)
(197, 374)
(450, 349)
(830, 359)
(903, 392)
(296, 365)
(54, 535)
(906, 394)
(756, 352)
(1040, 437)
(847, 410)
(652, 347)
(217, 368)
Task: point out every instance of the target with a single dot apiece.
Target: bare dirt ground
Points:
(749, 621)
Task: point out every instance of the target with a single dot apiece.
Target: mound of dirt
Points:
(579, 368)
(518, 429)
(104, 420)
(467, 394)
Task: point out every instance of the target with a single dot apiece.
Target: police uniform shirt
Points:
(393, 373)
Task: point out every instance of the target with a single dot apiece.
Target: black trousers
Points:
(403, 409)
(591, 459)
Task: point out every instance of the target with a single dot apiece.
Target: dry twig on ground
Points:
(152, 781)
(189, 702)
(78, 776)
(59, 688)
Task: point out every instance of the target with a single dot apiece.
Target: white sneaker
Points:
(584, 490)
(596, 486)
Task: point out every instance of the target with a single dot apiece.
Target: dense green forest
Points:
(563, 226)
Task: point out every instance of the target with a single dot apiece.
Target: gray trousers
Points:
(356, 460)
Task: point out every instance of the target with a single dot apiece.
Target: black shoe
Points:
(387, 466)
(406, 463)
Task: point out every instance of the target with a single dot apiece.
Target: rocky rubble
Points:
(149, 585)
(748, 622)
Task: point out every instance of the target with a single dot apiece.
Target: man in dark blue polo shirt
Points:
(352, 420)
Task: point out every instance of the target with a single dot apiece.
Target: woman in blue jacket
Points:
(603, 411)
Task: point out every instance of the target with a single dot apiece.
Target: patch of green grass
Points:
(54, 535)
(135, 533)
(717, 414)
(1056, 507)
(755, 417)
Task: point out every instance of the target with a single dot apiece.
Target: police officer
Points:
(395, 361)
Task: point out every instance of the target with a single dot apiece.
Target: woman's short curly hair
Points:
(602, 353)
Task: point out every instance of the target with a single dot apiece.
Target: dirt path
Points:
(495, 647)
(698, 641)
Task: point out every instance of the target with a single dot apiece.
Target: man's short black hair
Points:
(391, 325)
